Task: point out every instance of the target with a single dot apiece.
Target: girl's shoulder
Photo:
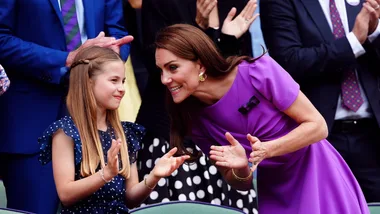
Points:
(66, 124)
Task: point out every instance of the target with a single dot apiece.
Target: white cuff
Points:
(356, 47)
(375, 33)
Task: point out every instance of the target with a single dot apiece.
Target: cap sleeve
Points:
(45, 141)
(273, 82)
(134, 134)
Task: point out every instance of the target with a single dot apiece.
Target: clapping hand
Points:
(167, 164)
(204, 8)
(373, 7)
(112, 168)
(238, 26)
(259, 150)
(232, 156)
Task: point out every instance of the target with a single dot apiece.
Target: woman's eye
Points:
(114, 80)
(172, 67)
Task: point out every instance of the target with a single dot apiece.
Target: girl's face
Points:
(181, 76)
(108, 86)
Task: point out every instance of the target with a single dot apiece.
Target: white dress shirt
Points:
(80, 16)
(358, 50)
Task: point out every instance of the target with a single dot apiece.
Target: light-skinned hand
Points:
(204, 8)
(167, 164)
(239, 25)
(112, 167)
(361, 26)
(373, 7)
(260, 150)
(231, 156)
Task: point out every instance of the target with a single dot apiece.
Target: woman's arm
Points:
(70, 190)
(312, 128)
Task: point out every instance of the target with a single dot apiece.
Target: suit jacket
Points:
(299, 38)
(33, 52)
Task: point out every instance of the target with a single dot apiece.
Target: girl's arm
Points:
(70, 190)
(137, 192)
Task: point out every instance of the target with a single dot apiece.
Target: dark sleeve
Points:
(115, 25)
(227, 44)
(134, 134)
(282, 37)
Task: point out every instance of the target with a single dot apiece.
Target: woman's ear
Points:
(202, 68)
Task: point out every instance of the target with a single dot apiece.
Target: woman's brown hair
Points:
(82, 107)
(190, 43)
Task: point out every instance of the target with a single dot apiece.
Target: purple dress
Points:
(312, 180)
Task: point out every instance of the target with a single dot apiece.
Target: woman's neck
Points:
(101, 119)
(212, 90)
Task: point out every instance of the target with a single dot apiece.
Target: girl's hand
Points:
(167, 164)
(112, 168)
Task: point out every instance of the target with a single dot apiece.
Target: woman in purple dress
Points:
(240, 110)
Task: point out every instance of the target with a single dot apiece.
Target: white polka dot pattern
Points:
(111, 197)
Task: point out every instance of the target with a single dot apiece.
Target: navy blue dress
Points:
(111, 197)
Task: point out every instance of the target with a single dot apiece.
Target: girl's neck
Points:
(101, 119)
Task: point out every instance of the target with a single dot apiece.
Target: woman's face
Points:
(181, 76)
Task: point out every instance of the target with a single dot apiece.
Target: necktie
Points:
(351, 96)
(70, 24)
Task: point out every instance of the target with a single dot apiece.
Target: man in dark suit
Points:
(331, 47)
(38, 42)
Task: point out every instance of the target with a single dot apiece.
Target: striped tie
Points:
(70, 24)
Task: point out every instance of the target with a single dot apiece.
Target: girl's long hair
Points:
(190, 43)
(82, 107)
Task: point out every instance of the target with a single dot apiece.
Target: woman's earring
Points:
(202, 77)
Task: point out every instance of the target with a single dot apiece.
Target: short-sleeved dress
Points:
(111, 197)
(312, 180)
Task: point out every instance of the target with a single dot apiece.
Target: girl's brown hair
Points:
(82, 107)
(190, 43)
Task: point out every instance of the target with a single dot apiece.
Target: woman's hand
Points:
(204, 8)
(232, 156)
(112, 168)
(260, 150)
(167, 164)
(238, 26)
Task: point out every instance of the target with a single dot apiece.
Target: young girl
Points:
(93, 153)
